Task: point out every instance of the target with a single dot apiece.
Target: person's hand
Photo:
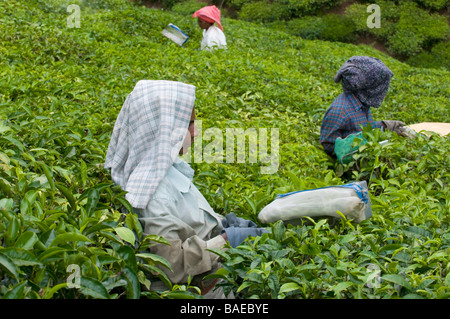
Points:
(224, 235)
(395, 126)
(237, 235)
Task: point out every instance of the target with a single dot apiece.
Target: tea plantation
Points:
(63, 234)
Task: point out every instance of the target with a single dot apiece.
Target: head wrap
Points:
(210, 14)
(366, 77)
(148, 135)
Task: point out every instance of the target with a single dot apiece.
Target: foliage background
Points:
(415, 31)
(62, 88)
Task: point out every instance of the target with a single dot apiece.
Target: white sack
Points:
(352, 200)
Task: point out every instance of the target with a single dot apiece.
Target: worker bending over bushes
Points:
(365, 82)
(155, 126)
(213, 36)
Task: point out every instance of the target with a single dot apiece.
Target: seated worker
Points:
(154, 126)
(365, 82)
(213, 37)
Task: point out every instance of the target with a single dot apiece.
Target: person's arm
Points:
(390, 125)
(187, 253)
(375, 124)
(189, 257)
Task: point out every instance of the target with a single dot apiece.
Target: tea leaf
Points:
(125, 234)
(21, 257)
(397, 279)
(68, 237)
(93, 288)
(26, 241)
(8, 265)
(342, 286)
(288, 287)
(134, 288)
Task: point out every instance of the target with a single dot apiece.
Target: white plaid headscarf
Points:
(148, 135)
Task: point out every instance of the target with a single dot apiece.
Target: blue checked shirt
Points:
(344, 117)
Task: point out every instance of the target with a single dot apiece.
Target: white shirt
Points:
(213, 38)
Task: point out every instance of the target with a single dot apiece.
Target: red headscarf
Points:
(210, 14)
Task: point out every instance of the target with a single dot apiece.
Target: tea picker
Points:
(155, 126)
(365, 83)
(213, 36)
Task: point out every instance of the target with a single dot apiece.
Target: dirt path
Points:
(341, 8)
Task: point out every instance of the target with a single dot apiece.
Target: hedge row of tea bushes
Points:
(410, 31)
(64, 227)
(415, 31)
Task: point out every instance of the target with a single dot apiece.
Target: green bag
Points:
(344, 149)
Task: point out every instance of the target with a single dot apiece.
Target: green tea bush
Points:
(166, 4)
(62, 89)
(329, 27)
(408, 254)
(405, 43)
(338, 28)
(239, 3)
(439, 57)
(434, 4)
(263, 11)
(407, 29)
(187, 8)
(309, 27)
(426, 4)
(300, 8)
(416, 30)
(258, 11)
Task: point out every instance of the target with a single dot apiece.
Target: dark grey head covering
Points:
(366, 77)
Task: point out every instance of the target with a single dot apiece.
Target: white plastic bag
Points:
(352, 200)
(175, 34)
